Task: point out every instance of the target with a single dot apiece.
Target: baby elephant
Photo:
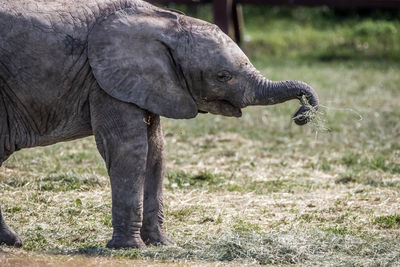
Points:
(111, 68)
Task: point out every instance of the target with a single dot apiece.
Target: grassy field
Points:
(254, 190)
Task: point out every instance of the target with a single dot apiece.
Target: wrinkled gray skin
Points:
(70, 69)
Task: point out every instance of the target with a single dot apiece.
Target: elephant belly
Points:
(31, 124)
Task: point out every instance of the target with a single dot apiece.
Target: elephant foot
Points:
(156, 238)
(125, 242)
(9, 237)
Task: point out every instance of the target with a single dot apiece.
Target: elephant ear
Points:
(133, 62)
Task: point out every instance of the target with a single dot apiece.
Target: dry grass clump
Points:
(315, 117)
(307, 247)
(303, 246)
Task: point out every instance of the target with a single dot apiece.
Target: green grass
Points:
(181, 179)
(389, 221)
(254, 190)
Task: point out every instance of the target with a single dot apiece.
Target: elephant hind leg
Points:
(7, 235)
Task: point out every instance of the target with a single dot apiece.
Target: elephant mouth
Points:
(220, 107)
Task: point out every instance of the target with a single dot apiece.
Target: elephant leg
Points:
(7, 235)
(121, 137)
(153, 214)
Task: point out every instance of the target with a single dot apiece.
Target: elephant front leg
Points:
(127, 176)
(121, 137)
(125, 155)
(152, 231)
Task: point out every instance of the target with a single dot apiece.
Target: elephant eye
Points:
(224, 76)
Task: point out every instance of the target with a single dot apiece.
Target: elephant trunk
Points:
(265, 92)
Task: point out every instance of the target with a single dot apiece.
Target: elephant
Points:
(111, 68)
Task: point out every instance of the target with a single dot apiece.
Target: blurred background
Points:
(309, 33)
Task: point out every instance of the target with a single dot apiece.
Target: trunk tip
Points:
(304, 115)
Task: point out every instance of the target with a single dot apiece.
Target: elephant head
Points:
(177, 66)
